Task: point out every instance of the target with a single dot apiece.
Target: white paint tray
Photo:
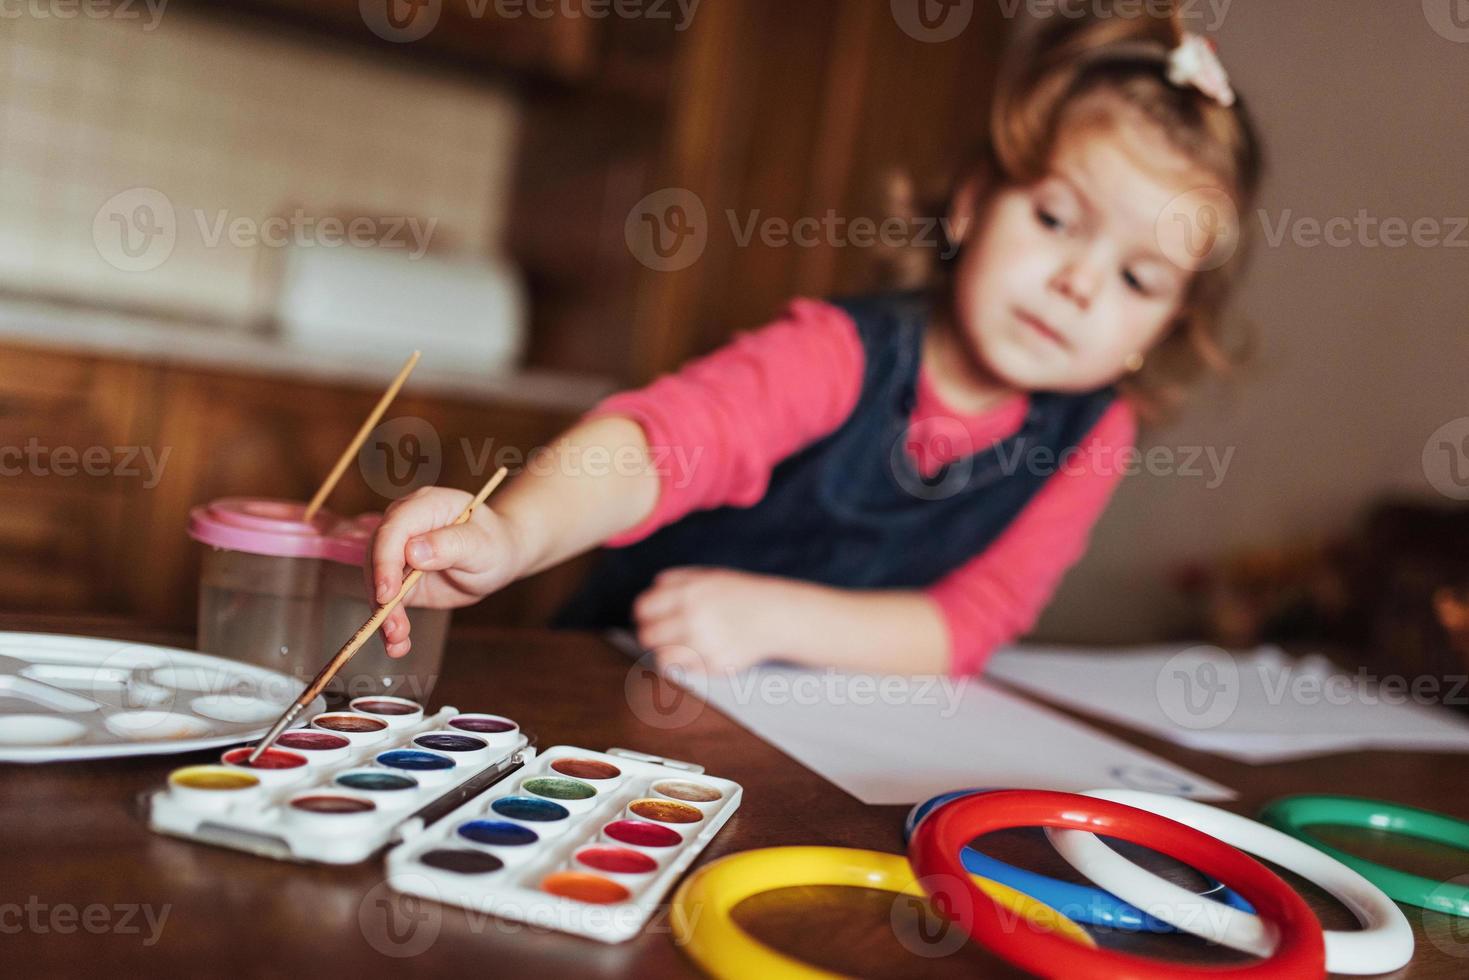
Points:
(74, 697)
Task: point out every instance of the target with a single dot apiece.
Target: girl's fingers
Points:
(396, 626)
(673, 576)
(423, 510)
(463, 546)
(656, 603)
(661, 633)
(399, 649)
(680, 658)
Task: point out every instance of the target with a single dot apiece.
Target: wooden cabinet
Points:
(69, 462)
(766, 110)
(761, 110)
(102, 460)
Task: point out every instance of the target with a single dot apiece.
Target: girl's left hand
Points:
(707, 619)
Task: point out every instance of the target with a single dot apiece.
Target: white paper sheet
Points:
(1259, 706)
(900, 740)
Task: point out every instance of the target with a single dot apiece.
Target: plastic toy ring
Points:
(1080, 903)
(1383, 944)
(934, 853)
(701, 907)
(1294, 814)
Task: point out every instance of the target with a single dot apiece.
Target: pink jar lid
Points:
(260, 526)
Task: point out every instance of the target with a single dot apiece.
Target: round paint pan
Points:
(656, 840)
(594, 772)
(545, 817)
(389, 790)
(213, 788)
(275, 767)
(512, 843)
(461, 861)
(573, 794)
(151, 726)
(397, 712)
(355, 728)
(236, 709)
(462, 747)
(329, 811)
(35, 730)
(582, 887)
(429, 768)
(695, 794)
(627, 867)
(683, 818)
(318, 748)
(499, 731)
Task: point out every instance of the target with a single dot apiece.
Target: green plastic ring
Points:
(1293, 814)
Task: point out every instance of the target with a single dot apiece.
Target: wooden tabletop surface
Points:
(87, 887)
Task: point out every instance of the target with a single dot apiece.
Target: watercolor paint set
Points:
(579, 841)
(345, 786)
(64, 698)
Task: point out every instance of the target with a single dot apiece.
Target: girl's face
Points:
(1069, 278)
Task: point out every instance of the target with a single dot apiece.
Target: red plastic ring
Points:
(934, 854)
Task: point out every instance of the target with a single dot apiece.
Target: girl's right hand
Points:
(462, 563)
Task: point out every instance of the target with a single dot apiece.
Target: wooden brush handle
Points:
(368, 424)
(337, 662)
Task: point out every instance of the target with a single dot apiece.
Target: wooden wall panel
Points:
(795, 111)
(118, 544)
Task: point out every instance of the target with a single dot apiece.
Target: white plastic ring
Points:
(1384, 943)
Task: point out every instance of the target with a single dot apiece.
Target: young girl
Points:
(898, 483)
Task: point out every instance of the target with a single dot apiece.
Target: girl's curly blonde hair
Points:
(1124, 56)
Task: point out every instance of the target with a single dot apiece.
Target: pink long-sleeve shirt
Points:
(770, 393)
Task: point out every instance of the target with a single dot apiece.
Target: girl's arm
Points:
(592, 483)
(704, 437)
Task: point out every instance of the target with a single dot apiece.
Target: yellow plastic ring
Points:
(703, 926)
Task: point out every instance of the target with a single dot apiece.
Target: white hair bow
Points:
(1196, 62)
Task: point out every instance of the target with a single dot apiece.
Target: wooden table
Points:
(82, 873)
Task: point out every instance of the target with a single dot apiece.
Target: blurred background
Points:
(224, 224)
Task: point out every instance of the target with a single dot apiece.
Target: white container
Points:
(469, 312)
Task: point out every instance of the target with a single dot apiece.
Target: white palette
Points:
(75, 697)
(344, 803)
(475, 857)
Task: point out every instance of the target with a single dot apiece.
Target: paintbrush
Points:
(361, 636)
(368, 424)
